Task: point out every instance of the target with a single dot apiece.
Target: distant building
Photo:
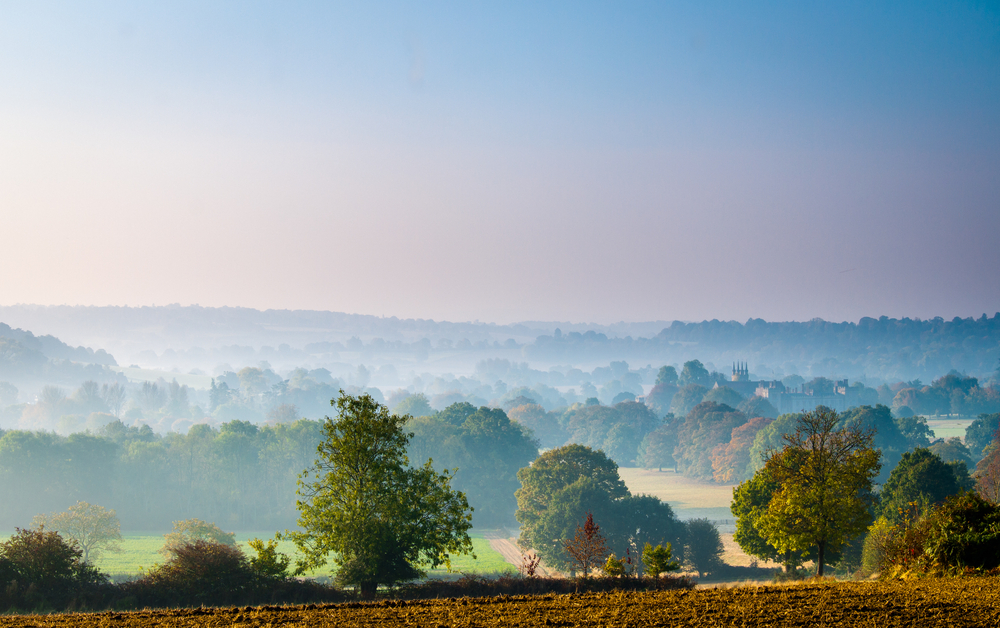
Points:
(787, 400)
(740, 381)
(806, 400)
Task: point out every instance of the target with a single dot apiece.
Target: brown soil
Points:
(925, 603)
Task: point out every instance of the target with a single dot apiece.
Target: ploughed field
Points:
(924, 603)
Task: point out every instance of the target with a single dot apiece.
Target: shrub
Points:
(40, 569)
(964, 532)
(203, 572)
(614, 567)
(961, 534)
(269, 562)
(877, 548)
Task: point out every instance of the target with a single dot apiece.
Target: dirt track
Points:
(507, 547)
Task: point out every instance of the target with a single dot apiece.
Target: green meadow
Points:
(141, 552)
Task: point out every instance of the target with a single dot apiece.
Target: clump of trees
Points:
(241, 474)
(959, 535)
(952, 394)
(563, 485)
(486, 446)
(39, 569)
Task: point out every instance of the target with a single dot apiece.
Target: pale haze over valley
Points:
(313, 302)
(548, 161)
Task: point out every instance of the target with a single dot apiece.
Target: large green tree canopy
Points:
(824, 486)
(486, 447)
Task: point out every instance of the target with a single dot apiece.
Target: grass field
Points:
(689, 498)
(692, 499)
(151, 375)
(142, 552)
(924, 603)
(948, 426)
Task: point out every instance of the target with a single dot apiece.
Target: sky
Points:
(504, 161)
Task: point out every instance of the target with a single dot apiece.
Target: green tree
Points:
(563, 485)
(687, 398)
(667, 375)
(381, 519)
(769, 439)
(544, 425)
(886, 435)
(725, 395)
(824, 476)
(694, 372)
(657, 447)
(704, 546)
(920, 477)
(414, 405)
(95, 529)
(980, 433)
(552, 472)
(269, 562)
(916, 431)
(660, 398)
(952, 450)
(757, 407)
(658, 560)
(494, 449)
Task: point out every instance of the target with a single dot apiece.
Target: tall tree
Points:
(825, 486)
(381, 519)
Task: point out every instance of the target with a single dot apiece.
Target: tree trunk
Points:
(368, 589)
(821, 547)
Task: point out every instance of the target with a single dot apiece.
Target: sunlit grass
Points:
(142, 552)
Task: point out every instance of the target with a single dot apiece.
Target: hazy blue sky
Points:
(506, 161)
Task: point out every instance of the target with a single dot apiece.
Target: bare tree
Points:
(114, 398)
(150, 397)
(88, 395)
(94, 528)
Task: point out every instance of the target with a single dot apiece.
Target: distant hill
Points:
(187, 337)
(52, 348)
(885, 348)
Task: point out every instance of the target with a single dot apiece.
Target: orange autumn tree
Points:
(587, 547)
(731, 460)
